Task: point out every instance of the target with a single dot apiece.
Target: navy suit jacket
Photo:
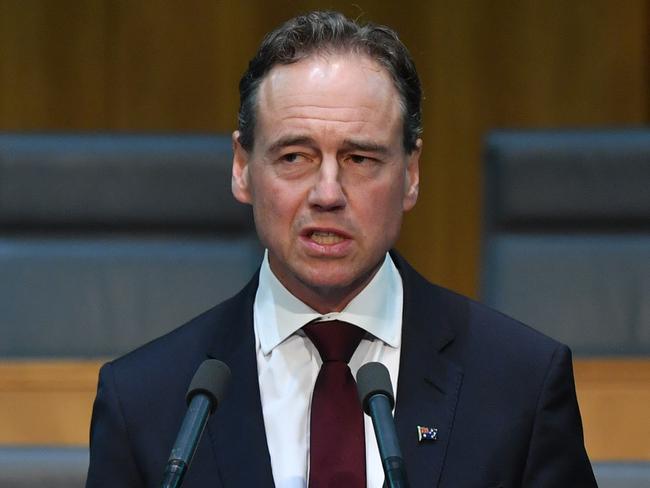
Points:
(500, 394)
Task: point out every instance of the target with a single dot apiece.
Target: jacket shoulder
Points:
(189, 344)
(472, 324)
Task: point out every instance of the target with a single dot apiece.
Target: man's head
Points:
(332, 32)
(323, 153)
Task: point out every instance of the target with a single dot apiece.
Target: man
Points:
(327, 155)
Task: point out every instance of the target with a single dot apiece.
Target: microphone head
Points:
(211, 379)
(373, 379)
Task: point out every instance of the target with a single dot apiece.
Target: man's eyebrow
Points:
(348, 144)
(366, 146)
(291, 141)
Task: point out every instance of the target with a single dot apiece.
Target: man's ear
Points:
(412, 180)
(240, 177)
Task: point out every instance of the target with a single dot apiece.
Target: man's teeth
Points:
(326, 238)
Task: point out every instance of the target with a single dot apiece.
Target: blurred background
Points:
(107, 80)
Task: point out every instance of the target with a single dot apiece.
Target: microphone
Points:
(204, 395)
(376, 396)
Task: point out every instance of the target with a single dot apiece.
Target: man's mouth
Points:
(326, 238)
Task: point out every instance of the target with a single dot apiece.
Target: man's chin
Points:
(328, 285)
(337, 282)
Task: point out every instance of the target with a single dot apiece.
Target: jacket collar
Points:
(237, 427)
(429, 383)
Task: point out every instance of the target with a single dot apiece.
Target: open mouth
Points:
(326, 238)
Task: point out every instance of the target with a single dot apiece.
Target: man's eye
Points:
(358, 159)
(292, 158)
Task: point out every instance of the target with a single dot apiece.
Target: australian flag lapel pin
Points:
(428, 434)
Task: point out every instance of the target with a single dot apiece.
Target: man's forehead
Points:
(336, 80)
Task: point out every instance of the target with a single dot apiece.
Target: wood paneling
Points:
(166, 65)
(169, 66)
(51, 402)
(46, 402)
(52, 65)
(614, 399)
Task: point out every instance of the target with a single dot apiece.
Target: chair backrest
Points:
(37, 466)
(622, 474)
(567, 235)
(109, 240)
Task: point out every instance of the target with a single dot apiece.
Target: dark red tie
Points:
(337, 454)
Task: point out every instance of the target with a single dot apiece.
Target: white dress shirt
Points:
(288, 364)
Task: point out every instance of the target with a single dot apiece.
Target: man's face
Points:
(327, 177)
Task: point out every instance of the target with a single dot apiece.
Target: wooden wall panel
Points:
(614, 399)
(52, 65)
(168, 66)
(51, 402)
(46, 402)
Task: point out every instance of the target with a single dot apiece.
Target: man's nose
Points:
(327, 192)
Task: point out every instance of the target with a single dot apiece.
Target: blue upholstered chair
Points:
(107, 240)
(567, 235)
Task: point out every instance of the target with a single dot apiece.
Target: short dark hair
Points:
(332, 32)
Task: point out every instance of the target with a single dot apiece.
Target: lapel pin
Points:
(427, 434)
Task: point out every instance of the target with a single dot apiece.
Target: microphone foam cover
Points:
(211, 379)
(372, 379)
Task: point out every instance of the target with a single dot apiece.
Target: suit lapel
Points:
(429, 384)
(237, 428)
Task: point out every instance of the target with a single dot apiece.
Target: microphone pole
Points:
(203, 396)
(376, 396)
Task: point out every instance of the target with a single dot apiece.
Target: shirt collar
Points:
(377, 308)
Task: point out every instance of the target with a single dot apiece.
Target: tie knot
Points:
(335, 340)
